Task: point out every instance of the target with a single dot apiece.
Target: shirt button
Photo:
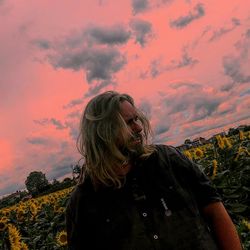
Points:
(144, 214)
(155, 236)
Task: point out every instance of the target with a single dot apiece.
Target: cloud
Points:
(224, 30)
(74, 103)
(114, 35)
(183, 21)
(45, 122)
(38, 140)
(139, 6)
(57, 124)
(245, 92)
(157, 67)
(99, 64)
(236, 66)
(178, 85)
(145, 107)
(42, 44)
(74, 114)
(185, 61)
(191, 102)
(61, 168)
(160, 129)
(93, 50)
(233, 69)
(142, 31)
(73, 129)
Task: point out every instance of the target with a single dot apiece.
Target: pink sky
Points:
(185, 62)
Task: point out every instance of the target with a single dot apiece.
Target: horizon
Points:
(61, 178)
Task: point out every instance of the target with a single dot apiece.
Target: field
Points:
(40, 223)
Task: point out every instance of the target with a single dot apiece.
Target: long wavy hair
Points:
(101, 127)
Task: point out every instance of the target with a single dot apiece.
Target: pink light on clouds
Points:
(185, 62)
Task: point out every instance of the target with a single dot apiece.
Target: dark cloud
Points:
(57, 124)
(246, 92)
(73, 129)
(99, 64)
(183, 21)
(145, 107)
(37, 140)
(235, 65)
(228, 86)
(197, 103)
(194, 130)
(157, 67)
(74, 103)
(42, 122)
(91, 50)
(74, 114)
(224, 30)
(61, 168)
(45, 122)
(160, 129)
(185, 61)
(178, 85)
(142, 31)
(114, 35)
(97, 87)
(42, 44)
(139, 6)
(233, 69)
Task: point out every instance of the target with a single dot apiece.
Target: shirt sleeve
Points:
(193, 177)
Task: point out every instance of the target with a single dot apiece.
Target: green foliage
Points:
(12, 199)
(36, 183)
(232, 179)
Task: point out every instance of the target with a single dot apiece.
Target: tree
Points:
(36, 182)
(76, 171)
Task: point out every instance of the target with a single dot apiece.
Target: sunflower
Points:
(61, 238)
(227, 142)
(33, 209)
(4, 219)
(14, 237)
(215, 166)
(188, 154)
(246, 223)
(20, 215)
(241, 135)
(3, 225)
(220, 142)
(199, 153)
(24, 246)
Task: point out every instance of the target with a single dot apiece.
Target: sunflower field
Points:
(226, 161)
(35, 224)
(39, 223)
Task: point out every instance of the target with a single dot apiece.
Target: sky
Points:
(183, 61)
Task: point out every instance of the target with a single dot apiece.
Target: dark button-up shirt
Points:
(158, 208)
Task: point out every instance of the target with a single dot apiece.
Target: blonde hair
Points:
(100, 126)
